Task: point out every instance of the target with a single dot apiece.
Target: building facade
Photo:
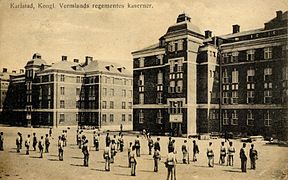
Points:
(192, 83)
(69, 93)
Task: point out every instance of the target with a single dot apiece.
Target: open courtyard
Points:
(272, 162)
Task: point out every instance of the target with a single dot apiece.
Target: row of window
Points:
(124, 117)
(250, 97)
(159, 118)
(111, 105)
(233, 120)
(175, 46)
(112, 92)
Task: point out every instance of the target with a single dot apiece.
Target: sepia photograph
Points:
(143, 89)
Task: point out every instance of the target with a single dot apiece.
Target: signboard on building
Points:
(176, 118)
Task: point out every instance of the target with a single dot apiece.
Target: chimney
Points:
(236, 28)
(13, 71)
(21, 70)
(88, 59)
(279, 15)
(208, 34)
(64, 58)
(4, 70)
(76, 60)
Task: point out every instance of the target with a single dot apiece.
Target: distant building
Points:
(192, 83)
(70, 93)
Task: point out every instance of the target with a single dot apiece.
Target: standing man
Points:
(96, 140)
(106, 156)
(85, 151)
(108, 140)
(21, 140)
(170, 144)
(171, 165)
(195, 151)
(113, 150)
(133, 161)
(50, 132)
(243, 158)
(34, 141)
(185, 152)
(60, 148)
(47, 143)
(27, 144)
(157, 158)
(150, 144)
(222, 154)
(1, 141)
(210, 155)
(231, 152)
(129, 154)
(121, 128)
(137, 146)
(18, 142)
(121, 141)
(157, 144)
(41, 146)
(253, 154)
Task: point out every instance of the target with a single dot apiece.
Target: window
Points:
(268, 53)
(225, 77)
(111, 105)
(268, 85)
(62, 104)
(250, 86)
(234, 76)
(250, 75)
(234, 57)
(104, 105)
(250, 56)
(62, 91)
(234, 118)
(250, 97)
(179, 86)
(175, 107)
(234, 97)
(78, 79)
(267, 118)
(159, 117)
(104, 91)
(130, 93)
(40, 93)
(141, 98)
(141, 80)
(78, 91)
(141, 117)
(129, 105)
(160, 78)
(268, 74)
(225, 98)
(111, 117)
(123, 117)
(123, 93)
(159, 98)
(104, 117)
(268, 96)
(172, 87)
(129, 117)
(141, 62)
(62, 118)
(62, 77)
(123, 105)
(250, 119)
(180, 45)
(225, 118)
(285, 73)
(176, 65)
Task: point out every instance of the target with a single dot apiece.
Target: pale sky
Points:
(112, 34)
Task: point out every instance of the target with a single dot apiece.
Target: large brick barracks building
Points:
(193, 83)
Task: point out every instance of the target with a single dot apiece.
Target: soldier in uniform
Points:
(133, 161)
(195, 151)
(253, 154)
(185, 152)
(34, 141)
(85, 151)
(210, 155)
(243, 158)
(27, 144)
(41, 146)
(231, 152)
(47, 143)
(150, 144)
(121, 141)
(157, 158)
(1, 141)
(129, 152)
(60, 148)
(171, 165)
(106, 156)
(137, 146)
(18, 142)
(222, 153)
